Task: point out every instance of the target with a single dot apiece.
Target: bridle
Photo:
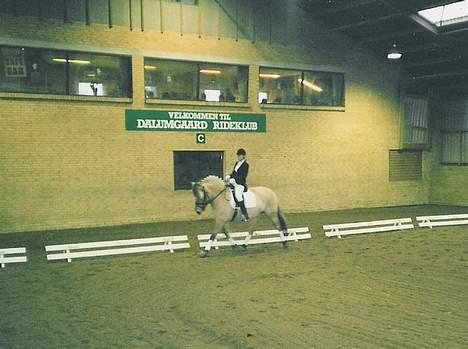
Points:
(206, 199)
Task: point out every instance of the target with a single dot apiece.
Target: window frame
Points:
(223, 163)
(302, 73)
(461, 133)
(197, 97)
(67, 53)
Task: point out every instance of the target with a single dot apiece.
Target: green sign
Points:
(194, 121)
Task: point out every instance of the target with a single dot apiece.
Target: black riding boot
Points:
(245, 215)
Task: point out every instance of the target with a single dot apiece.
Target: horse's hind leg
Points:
(228, 235)
(279, 224)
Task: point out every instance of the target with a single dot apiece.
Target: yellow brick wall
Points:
(70, 163)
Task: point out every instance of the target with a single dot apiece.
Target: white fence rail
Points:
(115, 247)
(442, 220)
(7, 258)
(259, 237)
(339, 230)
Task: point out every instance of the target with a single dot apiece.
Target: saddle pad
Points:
(250, 200)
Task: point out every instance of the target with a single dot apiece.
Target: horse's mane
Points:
(214, 181)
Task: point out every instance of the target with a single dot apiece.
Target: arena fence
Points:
(116, 247)
(339, 230)
(7, 258)
(442, 220)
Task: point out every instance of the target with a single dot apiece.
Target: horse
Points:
(213, 191)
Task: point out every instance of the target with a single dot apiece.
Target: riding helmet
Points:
(241, 151)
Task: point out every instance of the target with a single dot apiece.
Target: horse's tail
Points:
(282, 222)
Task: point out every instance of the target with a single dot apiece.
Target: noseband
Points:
(206, 199)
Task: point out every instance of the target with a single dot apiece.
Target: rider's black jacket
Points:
(241, 174)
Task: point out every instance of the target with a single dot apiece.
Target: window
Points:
(296, 87)
(182, 80)
(33, 70)
(456, 12)
(191, 166)
(416, 115)
(454, 134)
(224, 83)
(105, 75)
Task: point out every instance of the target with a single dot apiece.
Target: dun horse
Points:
(213, 191)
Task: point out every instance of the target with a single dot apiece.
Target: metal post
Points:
(142, 15)
(87, 12)
(130, 21)
(109, 13)
(65, 12)
(161, 17)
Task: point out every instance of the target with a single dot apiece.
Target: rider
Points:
(238, 181)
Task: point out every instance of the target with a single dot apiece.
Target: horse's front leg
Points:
(217, 229)
(252, 225)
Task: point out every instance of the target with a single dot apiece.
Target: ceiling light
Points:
(311, 85)
(269, 76)
(394, 53)
(76, 61)
(210, 71)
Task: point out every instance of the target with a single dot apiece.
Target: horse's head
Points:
(199, 192)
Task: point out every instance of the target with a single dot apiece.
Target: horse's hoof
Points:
(244, 246)
(285, 244)
(203, 254)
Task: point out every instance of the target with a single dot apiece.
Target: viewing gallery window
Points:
(192, 166)
(43, 71)
(193, 81)
(298, 87)
(454, 134)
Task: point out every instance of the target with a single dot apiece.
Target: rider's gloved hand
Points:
(227, 178)
(232, 181)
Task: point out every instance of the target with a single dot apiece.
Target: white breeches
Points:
(239, 192)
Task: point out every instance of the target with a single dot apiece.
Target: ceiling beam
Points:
(423, 47)
(341, 7)
(365, 22)
(457, 73)
(424, 23)
(388, 36)
(434, 62)
(455, 31)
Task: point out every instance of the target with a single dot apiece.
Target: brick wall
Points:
(66, 162)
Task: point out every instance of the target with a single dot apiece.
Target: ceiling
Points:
(431, 55)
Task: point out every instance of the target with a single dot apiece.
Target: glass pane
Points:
(223, 83)
(453, 114)
(32, 70)
(416, 115)
(166, 79)
(323, 89)
(191, 166)
(451, 148)
(465, 149)
(99, 75)
(279, 86)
